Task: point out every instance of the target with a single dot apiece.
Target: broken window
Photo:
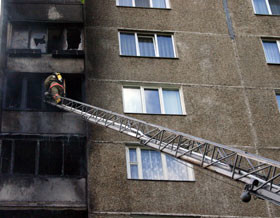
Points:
(47, 37)
(25, 91)
(45, 156)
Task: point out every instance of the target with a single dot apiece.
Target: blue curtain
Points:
(152, 101)
(165, 46)
(128, 45)
(133, 167)
(142, 3)
(172, 102)
(260, 7)
(125, 2)
(159, 4)
(151, 165)
(175, 169)
(274, 6)
(146, 46)
(271, 52)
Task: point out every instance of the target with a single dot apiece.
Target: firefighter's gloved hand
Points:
(46, 94)
(58, 100)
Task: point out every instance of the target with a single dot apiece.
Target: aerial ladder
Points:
(260, 175)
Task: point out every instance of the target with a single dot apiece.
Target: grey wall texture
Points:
(228, 90)
(229, 95)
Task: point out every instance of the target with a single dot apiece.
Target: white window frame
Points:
(142, 94)
(167, 3)
(271, 40)
(190, 170)
(277, 92)
(267, 6)
(155, 41)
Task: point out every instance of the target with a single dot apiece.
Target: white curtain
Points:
(271, 52)
(125, 2)
(175, 169)
(146, 47)
(151, 164)
(172, 102)
(128, 46)
(260, 7)
(159, 4)
(165, 46)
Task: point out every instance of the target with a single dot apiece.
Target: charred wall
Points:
(43, 154)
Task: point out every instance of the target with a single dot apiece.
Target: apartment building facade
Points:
(209, 68)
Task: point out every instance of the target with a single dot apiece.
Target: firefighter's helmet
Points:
(58, 76)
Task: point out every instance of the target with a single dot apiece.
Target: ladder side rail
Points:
(153, 136)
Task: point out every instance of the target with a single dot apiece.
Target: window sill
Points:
(24, 53)
(150, 57)
(68, 54)
(155, 114)
(273, 63)
(154, 180)
(273, 15)
(122, 6)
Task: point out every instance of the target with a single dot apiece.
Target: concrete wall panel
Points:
(45, 12)
(45, 64)
(42, 122)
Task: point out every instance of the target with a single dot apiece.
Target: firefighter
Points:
(55, 87)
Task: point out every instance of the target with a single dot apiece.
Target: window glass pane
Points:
(175, 169)
(128, 46)
(132, 155)
(278, 100)
(142, 3)
(132, 100)
(20, 37)
(159, 4)
(38, 38)
(24, 156)
(271, 52)
(125, 2)
(152, 101)
(151, 164)
(146, 46)
(274, 6)
(172, 102)
(50, 162)
(6, 152)
(134, 171)
(165, 46)
(260, 7)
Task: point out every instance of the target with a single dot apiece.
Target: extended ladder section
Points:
(261, 175)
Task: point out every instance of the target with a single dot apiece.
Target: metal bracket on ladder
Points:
(234, 163)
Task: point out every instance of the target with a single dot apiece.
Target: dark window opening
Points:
(48, 38)
(50, 158)
(6, 153)
(42, 214)
(73, 38)
(44, 157)
(24, 157)
(25, 91)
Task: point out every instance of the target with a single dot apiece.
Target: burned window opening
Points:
(48, 38)
(44, 157)
(25, 91)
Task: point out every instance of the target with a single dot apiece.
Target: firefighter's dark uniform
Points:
(54, 87)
